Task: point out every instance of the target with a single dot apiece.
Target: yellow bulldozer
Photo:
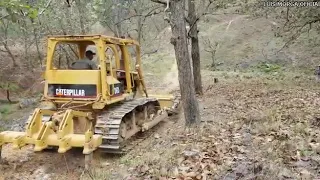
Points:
(93, 108)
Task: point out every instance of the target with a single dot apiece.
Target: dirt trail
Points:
(171, 79)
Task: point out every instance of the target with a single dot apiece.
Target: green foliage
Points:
(268, 67)
(5, 109)
(9, 86)
(103, 11)
(15, 8)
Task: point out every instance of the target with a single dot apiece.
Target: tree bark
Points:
(195, 51)
(8, 95)
(15, 64)
(186, 81)
(4, 42)
(37, 44)
(139, 27)
(81, 7)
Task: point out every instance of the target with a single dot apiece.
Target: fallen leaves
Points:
(257, 130)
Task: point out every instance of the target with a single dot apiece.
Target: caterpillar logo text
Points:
(70, 92)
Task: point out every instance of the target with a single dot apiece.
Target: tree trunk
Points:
(139, 27)
(186, 81)
(117, 15)
(15, 64)
(195, 51)
(80, 7)
(4, 40)
(37, 45)
(8, 96)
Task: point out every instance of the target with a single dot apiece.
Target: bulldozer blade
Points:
(18, 139)
(45, 134)
(167, 101)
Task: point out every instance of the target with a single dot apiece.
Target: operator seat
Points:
(80, 65)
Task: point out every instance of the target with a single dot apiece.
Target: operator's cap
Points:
(91, 52)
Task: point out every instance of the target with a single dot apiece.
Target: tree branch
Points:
(298, 32)
(167, 6)
(160, 2)
(1, 50)
(191, 24)
(199, 17)
(150, 13)
(4, 17)
(46, 7)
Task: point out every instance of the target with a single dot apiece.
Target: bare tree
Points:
(179, 41)
(212, 49)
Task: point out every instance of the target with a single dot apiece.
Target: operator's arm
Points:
(93, 65)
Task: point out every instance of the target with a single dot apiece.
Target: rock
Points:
(305, 174)
(17, 127)
(46, 176)
(315, 147)
(157, 136)
(18, 124)
(163, 171)
(184, 169)
(23, 103)
(285, 173)
(41, 175)
(191, 153)
(191, 174)
(105, 164)
(175, 171)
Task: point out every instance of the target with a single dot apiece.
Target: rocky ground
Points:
(254, 127)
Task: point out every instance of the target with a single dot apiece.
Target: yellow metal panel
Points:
(73, 76)
(127, 59)
(108, 39)
(50, 51)
(112, 80)
(116, 55)
(101, 46)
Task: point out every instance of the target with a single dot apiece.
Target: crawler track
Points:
(114, 125)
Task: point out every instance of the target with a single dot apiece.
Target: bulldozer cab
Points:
(117, 77)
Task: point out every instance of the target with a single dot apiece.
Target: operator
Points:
(85, 63)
